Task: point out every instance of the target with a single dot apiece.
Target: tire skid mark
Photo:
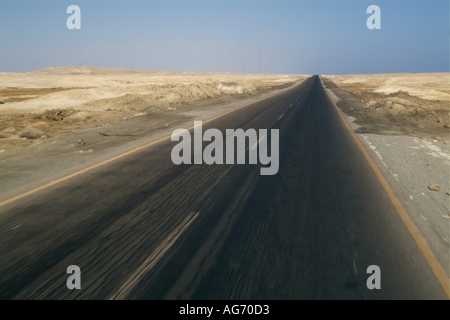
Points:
(153, 258)
(205, 257)
(132, 232)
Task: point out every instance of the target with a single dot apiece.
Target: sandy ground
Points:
(419, 103)
(429, 86)
(60, 99)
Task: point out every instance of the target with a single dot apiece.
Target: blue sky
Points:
(309, 36)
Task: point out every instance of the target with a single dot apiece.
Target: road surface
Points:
(140, 227)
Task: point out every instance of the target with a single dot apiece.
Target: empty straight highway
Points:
(141, 227)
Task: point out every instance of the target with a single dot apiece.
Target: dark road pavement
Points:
(141, 227)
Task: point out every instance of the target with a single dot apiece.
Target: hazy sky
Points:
(309, 36)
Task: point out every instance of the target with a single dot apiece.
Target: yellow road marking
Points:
(45, 186)
(436, 267)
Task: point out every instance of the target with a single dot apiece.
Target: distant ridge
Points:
(94, 71)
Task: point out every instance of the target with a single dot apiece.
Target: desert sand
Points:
(60, 99)
(56, 99)
(420, 100)
(90, 88)
(429, 86)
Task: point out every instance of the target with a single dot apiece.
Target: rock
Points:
(90, 150)
(398, 107)
(10, 129)
(2, 102)
(434, 187)
(30, 133)
(57, 114)
(81, 141)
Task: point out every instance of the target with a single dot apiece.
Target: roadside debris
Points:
(434, 187)
(30, 133)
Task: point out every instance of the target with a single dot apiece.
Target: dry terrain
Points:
(429, 86)
(418, 104)
(60, 99)
(43, 103)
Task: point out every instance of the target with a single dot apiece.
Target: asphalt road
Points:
(141, 227)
